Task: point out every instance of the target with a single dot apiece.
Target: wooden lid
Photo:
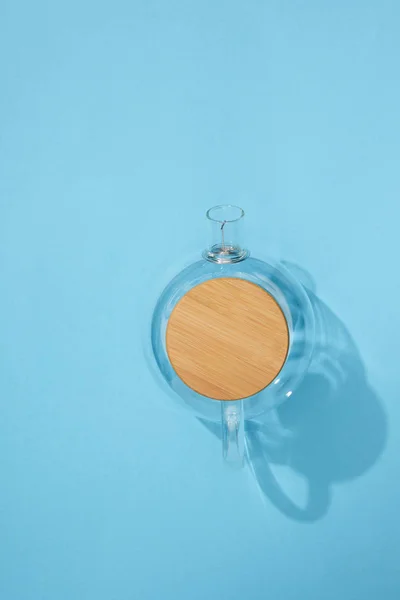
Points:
(227, 338)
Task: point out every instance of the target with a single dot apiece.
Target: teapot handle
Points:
(232, 422)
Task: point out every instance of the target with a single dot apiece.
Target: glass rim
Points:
(219, 206)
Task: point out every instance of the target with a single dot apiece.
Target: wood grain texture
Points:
(227, 338)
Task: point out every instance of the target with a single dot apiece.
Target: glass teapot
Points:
(232, 335)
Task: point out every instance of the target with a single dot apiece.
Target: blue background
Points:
(121, 123)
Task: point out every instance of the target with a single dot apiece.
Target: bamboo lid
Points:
(227, 338)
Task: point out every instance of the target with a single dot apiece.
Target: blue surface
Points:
(121, 122)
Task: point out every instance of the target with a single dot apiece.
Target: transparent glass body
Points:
(226, 257)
